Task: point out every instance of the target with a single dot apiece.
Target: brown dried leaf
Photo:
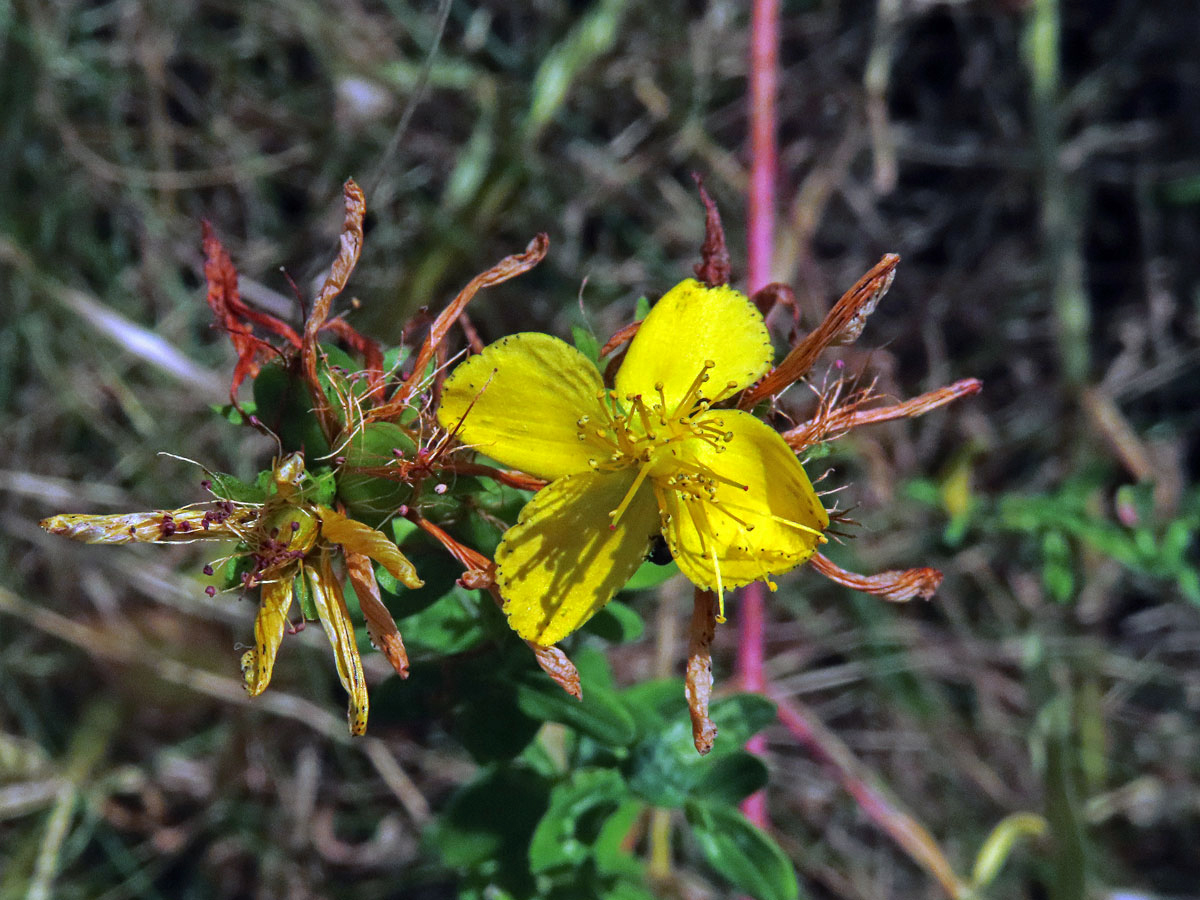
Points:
(381, 627)
(897, 585)
(511, 477)
(698, 686)
(843, 324)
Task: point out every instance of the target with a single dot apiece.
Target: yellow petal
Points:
(562, 561)
(529, 391)
(359, 538)
(780, 504)
(335, 617)
(259, 663)
(693, 323)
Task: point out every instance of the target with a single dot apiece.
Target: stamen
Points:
(620, 510)
(782, 521)
(640, 407)
(693, 392)
(706, 472)
(720, 589)
(774, 518)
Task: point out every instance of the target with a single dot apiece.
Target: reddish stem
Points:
(760, 241)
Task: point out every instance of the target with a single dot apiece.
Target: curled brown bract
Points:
(842, 326)
(896, 585)
(339, 273)
(835, 419)
(560, 669)
(509, 267)
(714, 268)
(234, 316)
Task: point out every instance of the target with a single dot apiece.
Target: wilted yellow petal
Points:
(326, 592)
(359, 538)
(768, 528)
(158, 527)
(257, 664)
(562, 562)
(693, 323)
(529, 392)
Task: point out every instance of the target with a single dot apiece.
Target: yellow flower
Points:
(654, 455)
(290, 543)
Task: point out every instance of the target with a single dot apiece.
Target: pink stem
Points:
(760, 241)
(751, 615)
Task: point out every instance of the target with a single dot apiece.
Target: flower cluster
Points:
(673, 442)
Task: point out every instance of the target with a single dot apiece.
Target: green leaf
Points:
(488, 824)
(1058, 573)
(453, 624)
(741, 716)
(231, 413)
(227, 487)
(592, 665)
(308, 606)
(641, 310)
(609, 849)
(437, 568)
(394, 357)
(616, 623)
(742, 853)
(578, 809)
(601, 715)
(586, 343)
(664, 767)
(650, 575)
(1000, 843)
(402, 530)
(655, 703)
(628, 889)
(285, 407)
(1182, 191)
(489, 724)
(370, 498)
(731, 778)
(320, 487)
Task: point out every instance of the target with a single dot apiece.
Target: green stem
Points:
(1059, 213)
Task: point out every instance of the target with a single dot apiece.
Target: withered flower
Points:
(287, 542)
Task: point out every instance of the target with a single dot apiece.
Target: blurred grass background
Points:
(1035, 165)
